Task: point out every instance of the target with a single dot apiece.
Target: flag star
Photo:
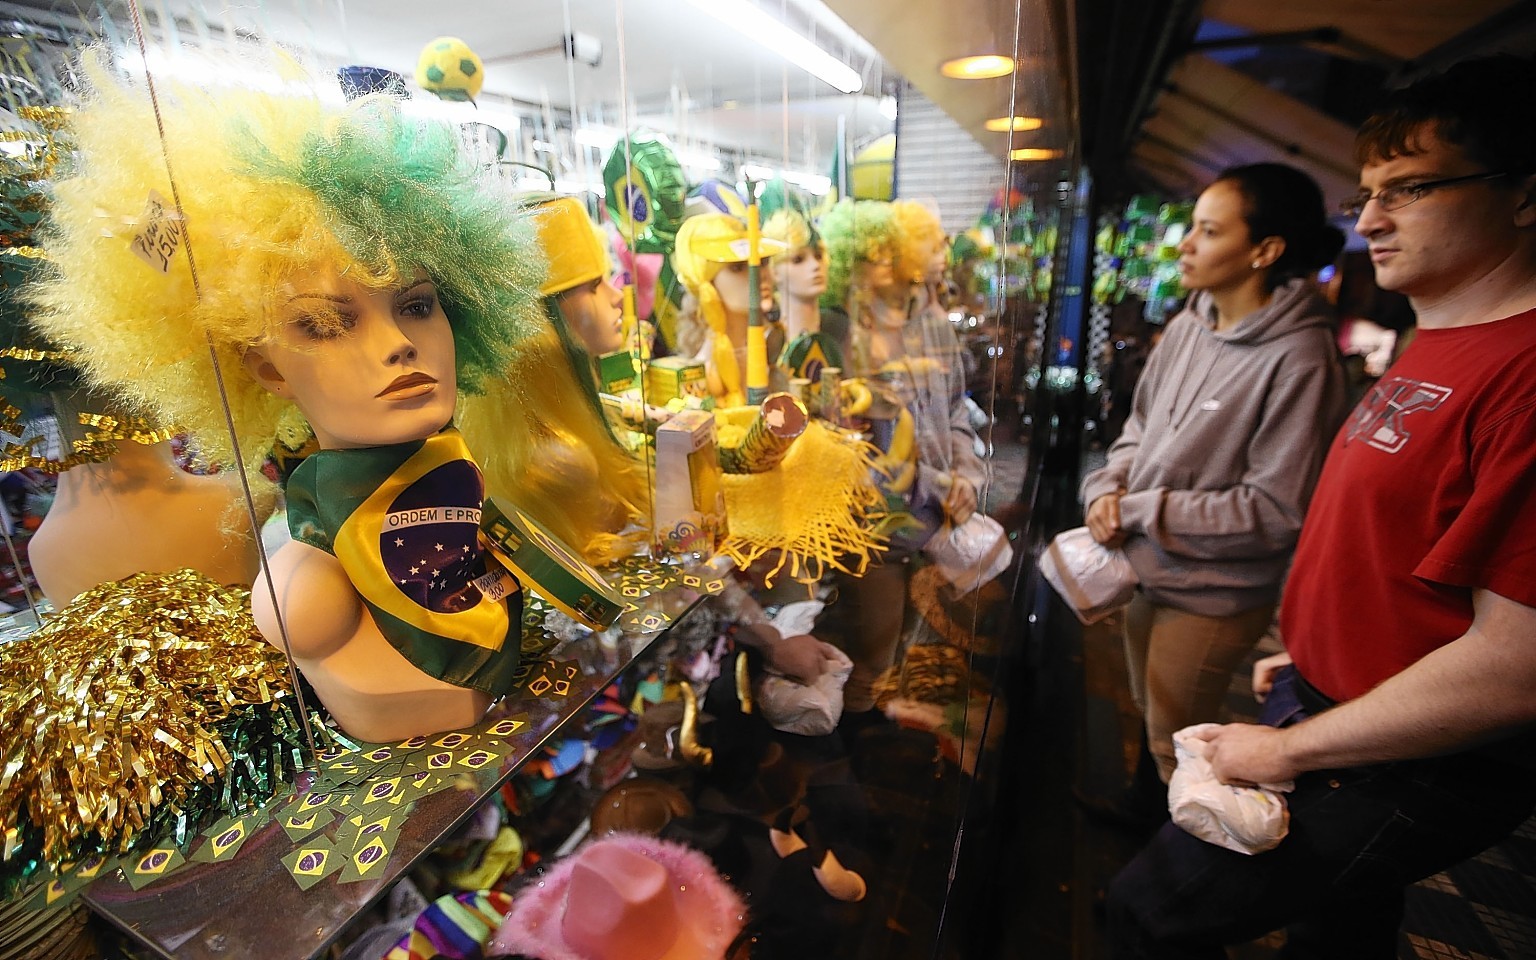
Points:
(439, 546)
(415, 569)
(466, 549)
(399, 542)
(434, 573)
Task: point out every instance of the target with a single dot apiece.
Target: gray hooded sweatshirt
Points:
(1221, 451)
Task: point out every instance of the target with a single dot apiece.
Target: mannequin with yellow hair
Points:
(538, 432)
(347, 270)
(711, 262)
(800, 276)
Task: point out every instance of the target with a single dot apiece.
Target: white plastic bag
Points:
(1094, 580)
(1245, 819)
(970, 554)
(811, 710)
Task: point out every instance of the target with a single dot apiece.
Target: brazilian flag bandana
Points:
(805, 356)
(404, 520)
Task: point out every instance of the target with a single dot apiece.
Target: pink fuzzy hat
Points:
(625, 897)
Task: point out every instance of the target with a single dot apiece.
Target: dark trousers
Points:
(1357, 838)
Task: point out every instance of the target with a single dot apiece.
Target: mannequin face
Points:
(1218, 254)
(731, 284)
(937, 264)
(802, 274)
(367, 367)
(875, 275)
(595, 313)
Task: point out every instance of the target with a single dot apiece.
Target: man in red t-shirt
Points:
(1406, 717)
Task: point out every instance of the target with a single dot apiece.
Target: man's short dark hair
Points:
(1478, 105)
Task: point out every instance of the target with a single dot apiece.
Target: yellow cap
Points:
(708, 240)
(571, 244)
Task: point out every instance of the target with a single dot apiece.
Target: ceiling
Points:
(1156, 93)
(1247, 81)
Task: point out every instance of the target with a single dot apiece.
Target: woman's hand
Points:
(1103, 520)
(1264, 674)
(960, 502)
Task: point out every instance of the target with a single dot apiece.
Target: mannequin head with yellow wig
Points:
(274, 191)
(861, 243)
(710, 261)
(562, 463)
(920, 240)
(269, 189)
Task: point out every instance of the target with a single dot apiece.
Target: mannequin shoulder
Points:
(319, 606)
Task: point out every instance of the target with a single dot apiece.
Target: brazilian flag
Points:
(404, 520)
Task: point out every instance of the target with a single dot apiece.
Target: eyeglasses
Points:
(1399, 195)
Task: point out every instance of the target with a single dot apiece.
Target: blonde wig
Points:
(919, 234)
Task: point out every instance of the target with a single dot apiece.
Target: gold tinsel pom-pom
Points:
(109, 711)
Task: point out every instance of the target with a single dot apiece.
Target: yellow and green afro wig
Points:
(855, 231)
(265, 185)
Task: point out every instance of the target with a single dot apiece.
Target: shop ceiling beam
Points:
(1252, 129)
(1215, 166)
(1511, 29)
(1316, 36)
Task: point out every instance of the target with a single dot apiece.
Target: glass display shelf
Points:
(253, 905)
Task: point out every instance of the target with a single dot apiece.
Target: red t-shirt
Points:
(1428, 493)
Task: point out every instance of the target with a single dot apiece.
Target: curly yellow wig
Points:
(266, 186)
(919, 234)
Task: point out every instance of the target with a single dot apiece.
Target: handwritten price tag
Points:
(160, 235)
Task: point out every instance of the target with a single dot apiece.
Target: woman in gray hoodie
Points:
(1206, 487)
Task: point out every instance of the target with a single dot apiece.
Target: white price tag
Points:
(159, 235)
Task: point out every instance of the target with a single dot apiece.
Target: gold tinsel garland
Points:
(110, 712)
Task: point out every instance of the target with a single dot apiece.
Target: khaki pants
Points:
(1181, 664)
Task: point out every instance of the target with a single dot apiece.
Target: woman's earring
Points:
(1257, 265)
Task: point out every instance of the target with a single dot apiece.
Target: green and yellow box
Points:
(668, 378)
(548, 567)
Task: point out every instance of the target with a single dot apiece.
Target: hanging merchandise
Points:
(448, 68)
(645, 191)
(1147, 248)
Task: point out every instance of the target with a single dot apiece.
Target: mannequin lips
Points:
(408, 387)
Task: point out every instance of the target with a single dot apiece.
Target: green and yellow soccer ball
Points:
(448, 68)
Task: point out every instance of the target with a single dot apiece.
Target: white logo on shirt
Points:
(1379, 417)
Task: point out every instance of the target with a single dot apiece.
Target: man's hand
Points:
(1248, 754)
(801, 658)
(960, 502)
(1103, 520)
(1264, 674)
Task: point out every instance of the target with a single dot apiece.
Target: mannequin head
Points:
(800, 272)
(860, 237)
(579, 277)
(921, 243)
(594, 312)
(367, 367)
(282, 196)
(711, 263)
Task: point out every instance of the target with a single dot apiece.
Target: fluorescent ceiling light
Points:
(759, 27)
(1002, 124)
(977, 68)
(1034, 153)
(888, 108)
